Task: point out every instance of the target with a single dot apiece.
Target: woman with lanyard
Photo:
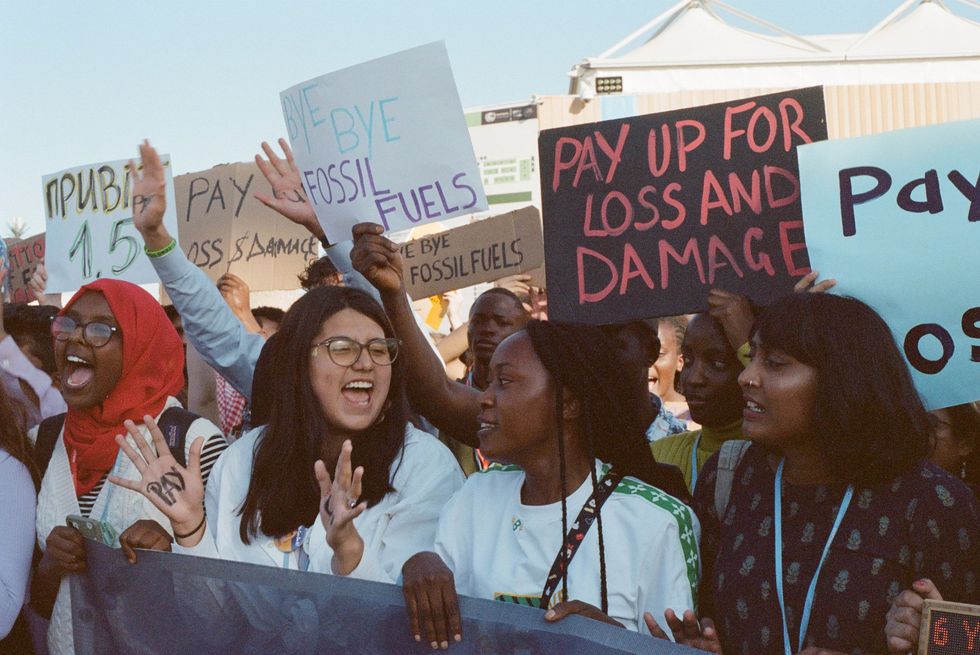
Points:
(833, 509)
(567, 425)
(120, 361)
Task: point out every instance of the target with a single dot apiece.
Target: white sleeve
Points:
(429, 484)
(453, 538)
(666, 574)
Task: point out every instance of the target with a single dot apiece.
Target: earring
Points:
(963, 469)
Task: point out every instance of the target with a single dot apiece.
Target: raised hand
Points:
(377, 258)
(146, 534)
(808, 283)
(288, 196)
(734, 313)
(339, 507)
(150, 198)
(39, 284)
(687, 630)
(176, 491)
(430, 598)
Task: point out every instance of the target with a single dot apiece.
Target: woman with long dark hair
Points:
(336, 403)
(18, 497)
(567, 426)
(834, 509)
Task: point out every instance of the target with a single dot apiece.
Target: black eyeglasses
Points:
(344, 351)
(95, 333)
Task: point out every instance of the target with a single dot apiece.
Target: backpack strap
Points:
(175, 422)
(47, 436)
(729, 457)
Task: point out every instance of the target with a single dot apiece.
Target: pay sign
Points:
(89, 226)
(895, 218)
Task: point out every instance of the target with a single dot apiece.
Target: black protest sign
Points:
(644, 215)
(484, 251)
(949, 628)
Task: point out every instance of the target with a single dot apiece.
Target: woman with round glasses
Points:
(120, 362)
(338, 404)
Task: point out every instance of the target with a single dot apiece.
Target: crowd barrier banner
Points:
(89, 226)
(895, 218)
(644, 215)
(23, 256)
(483, 251)
(224, 229)
(384, 141)
(169, 604)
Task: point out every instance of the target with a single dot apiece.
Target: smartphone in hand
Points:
(93, 529)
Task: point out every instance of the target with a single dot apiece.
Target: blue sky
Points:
(85, 82)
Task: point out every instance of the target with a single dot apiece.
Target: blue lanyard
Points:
(694, 461)
(812, 591)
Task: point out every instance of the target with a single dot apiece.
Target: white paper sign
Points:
(384, 141)
(89, 226)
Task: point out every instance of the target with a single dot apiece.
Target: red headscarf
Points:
(152, 369)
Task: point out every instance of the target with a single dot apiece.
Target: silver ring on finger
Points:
(351, 503)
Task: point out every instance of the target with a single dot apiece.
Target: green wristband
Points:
(162, 251)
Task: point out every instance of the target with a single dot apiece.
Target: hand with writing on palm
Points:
(175, 490)
(339, 506)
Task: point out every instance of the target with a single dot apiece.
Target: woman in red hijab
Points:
(119, 358)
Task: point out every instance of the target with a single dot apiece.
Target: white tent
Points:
(691, 47)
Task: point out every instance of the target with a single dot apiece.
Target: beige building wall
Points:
(851, 110)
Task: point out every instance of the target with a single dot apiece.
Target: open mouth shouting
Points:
(358, 393)
(77, 372)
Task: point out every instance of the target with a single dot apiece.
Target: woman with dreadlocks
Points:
(566, 426)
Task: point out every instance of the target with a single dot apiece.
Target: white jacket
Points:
(117, 506)
(424, 474)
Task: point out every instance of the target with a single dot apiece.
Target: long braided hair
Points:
(585, 361)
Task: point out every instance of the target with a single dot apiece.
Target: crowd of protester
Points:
(745, 480)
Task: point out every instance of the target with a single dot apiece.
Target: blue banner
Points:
(168, 604)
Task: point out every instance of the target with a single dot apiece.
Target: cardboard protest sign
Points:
(895, 218)
(24, 255)
(480, 252)
(949, 628)
(384, 141)
(643, 215)
(223, 228)
(90, 231)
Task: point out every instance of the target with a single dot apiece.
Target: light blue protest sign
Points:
(895, 218)
(384, 141)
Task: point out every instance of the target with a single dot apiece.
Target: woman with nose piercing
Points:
(834, 508)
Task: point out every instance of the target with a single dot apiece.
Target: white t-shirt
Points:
(501, 549)
(425, 475)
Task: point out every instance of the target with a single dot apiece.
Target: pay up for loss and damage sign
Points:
(642, 216)
(895, 218)
(89, 228)
(224, 228)
(385, 141)
(480, 252)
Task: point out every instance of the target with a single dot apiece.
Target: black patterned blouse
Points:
(924, 524)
